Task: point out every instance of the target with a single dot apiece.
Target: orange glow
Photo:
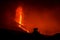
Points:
(19, 18)
(20, 12)
(45, 21)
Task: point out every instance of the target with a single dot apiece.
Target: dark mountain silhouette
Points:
(13, 26)
(14, 32)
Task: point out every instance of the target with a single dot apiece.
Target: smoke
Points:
(45, 20)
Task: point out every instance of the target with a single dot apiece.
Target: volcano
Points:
(14, 27)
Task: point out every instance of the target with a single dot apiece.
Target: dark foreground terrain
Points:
(17, 35)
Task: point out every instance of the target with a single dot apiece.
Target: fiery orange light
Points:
(19, 13)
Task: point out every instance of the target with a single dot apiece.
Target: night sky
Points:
(44, 15)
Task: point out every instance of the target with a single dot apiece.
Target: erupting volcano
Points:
(19, 16)
(28, 21)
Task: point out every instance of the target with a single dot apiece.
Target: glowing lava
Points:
(19, 17)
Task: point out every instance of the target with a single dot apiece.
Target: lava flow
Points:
(19, 16)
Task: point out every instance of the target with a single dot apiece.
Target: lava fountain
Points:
(19, 18)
